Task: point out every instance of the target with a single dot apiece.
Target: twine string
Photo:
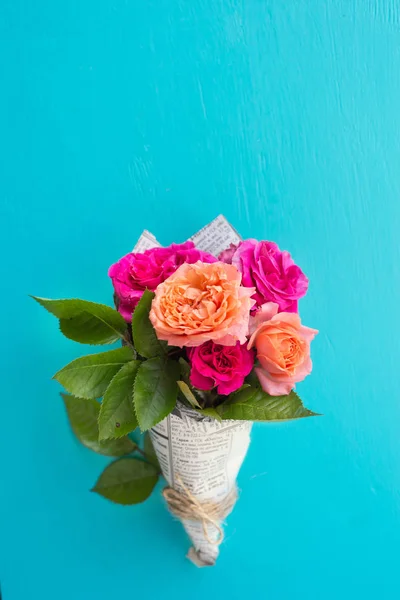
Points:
(185, 505)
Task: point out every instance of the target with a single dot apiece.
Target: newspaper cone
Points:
(204, 456)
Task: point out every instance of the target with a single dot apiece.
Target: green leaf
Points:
(243, 393)
(144, 337)
(210, 412)
(86, 322)
(83, 414)
(252, 379)
(149, 451)
(155, 390)
(185, 370)
(117, 414)
(127, 481)
(256, 405)
(187, 392)
(88, 329)
(89, 376)
(200, 396)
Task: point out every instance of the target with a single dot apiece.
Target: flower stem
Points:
(142, 452)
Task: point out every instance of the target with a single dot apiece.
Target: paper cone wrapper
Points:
(204, 455)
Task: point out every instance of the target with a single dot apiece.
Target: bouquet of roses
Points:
(211, 342)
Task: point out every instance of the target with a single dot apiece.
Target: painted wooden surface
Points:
(285, 117)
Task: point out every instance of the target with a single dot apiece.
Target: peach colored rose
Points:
(283, 348)
(202, 302)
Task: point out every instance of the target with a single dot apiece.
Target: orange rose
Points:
(283, 349)
(201, 302)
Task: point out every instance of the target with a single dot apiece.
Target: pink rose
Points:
(283, 349)
(223, 367)
(226, 255)
(272, 272)
(136, 271)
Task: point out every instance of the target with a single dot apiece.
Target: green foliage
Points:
(88, 329)
(144, 337)
(127, 481)
(117, 414)
(89, 376)
(86, 322)
(188, 394)
(185, 370)
(253, 404)
(149, 451)
(210, 412)
(83, 414)
(252, 378)
(201, 398)
(155, 390)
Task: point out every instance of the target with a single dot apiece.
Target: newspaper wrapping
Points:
(204, 455)
(197, 452)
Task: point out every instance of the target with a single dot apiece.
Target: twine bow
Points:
(186, 506)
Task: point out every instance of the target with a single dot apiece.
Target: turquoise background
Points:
(284, 116)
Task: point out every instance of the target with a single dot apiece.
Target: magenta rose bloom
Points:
(272, 272)
(138, 271)
(226, 255)
(221, 367)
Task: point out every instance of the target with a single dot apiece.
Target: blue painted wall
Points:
(285, 117)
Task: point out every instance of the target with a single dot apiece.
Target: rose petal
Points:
(272, 272)
(198, 381)
(272, 387)
(228, 387)
(264, 313)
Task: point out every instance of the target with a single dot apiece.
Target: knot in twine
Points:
(185, 505)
